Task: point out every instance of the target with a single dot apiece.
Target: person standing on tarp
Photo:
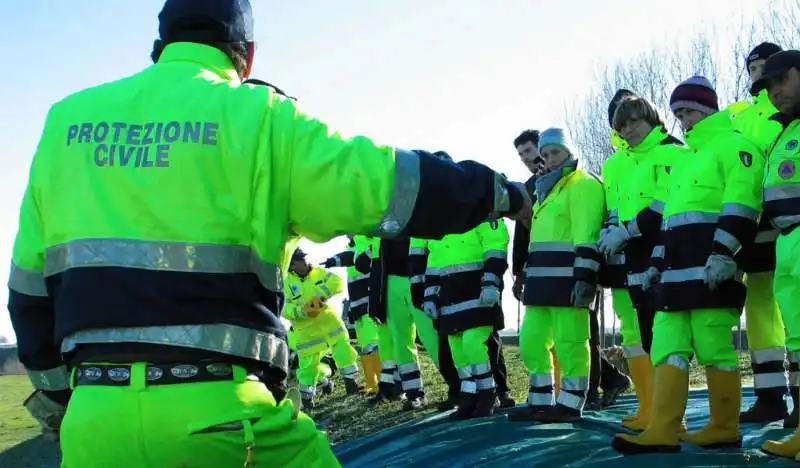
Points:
(146, 281)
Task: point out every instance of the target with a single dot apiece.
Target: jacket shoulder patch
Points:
(746, 158)
(494, 224)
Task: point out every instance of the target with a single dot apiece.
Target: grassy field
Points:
(343, 417)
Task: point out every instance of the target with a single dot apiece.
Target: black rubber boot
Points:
(485, 404)
(615, 389)
(351, 387)
(327, 386)
(593, 402)
(386, 393)
(307, 404)
(769, 406)
(505, 400)
(465, 407)
(527, 413)
(560, 414)
(415, 399)
(450, 403)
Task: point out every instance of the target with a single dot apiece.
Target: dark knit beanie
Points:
(696, 93)
(621, 94)
(762, 51)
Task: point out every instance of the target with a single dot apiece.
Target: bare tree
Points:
(717, 55)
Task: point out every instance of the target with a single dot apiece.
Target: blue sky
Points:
(460, 75)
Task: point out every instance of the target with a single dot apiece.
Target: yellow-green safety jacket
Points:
(613, 273)
(758, 121)
(781, 179)
(713, 206)
(311, 332)
(159, 207)
(565, 228)
(459, 266)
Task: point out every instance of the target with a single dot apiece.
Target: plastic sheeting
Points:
(438, 442)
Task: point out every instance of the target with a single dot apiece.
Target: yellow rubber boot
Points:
(642, 376)
(372, 368)
(789, 448)
(725, 401)
(670, 395)
(556, 373)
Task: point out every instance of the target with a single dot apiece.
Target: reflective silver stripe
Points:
(782, 192)
(692, 274)
(433, 272)
(575, 383)
(540, 399)
(540, 380)
(486, 383)
(404, 195)
(497, 254)
(728, 240)
(616, 259)
(482, 368)
(464, 372)
(28, 282)
(742, 211)
(637, 279)
(633, 229)
(412, 384)
(469, 386)
(416, 251)
(337, 332)
(785, 222)
(633, 351)
(407, 368)
(310, 344)
(502, 201)
(326, 290)
(794, 356)
(358, 278)
(349, 372)
(657, 206)
(549, 272)
(432, 291)
(677, 361)
(794, 379)
(51, 379)
(690, 217)
(461, 268)
(551, 247)
(490, 278)
(371, 348)
(461, 307)
(586, 263)
(417, 279)
(163, 256)
(570, 400)
(387, 378)
(770, 380)
(218, 337)
(764, 237)
(359, 302)
(337, 261)
(658, 251)
(760, 356)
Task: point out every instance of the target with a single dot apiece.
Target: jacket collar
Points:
(207, 57)
(708, 128)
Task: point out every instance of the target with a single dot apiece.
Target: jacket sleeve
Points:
(292, 304)
(494, 239)
(330, 284)
(363, 255)
(610, 190)
(340, 185)
(742, 166)
(648, 221)
(587, 210)
(345, 259)
(433, 278)
(30, 305)
(417, 263)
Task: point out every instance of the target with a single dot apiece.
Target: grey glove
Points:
(489, 296)
(651, 276)
(615, 238)
(583, 294)
(719, 268)
(47, 412)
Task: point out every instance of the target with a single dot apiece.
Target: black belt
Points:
(119, 375)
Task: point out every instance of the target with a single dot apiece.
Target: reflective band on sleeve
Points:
(30, 283)
(490, 278)
(657, 206)
(217, 337)
(742, 211)
(764, 237)
(416, 251)
(552, 272)
(164, 256)
(417, 279)
(782, 192)
(691, 274)
(785, 222)
(586, 263)
(461, 307)
(460, 268)
(495, 254)
(616, 259)
(658, 251)
(50, 380)
(728, 240)
(359, 302)
(551, 247)
(404, 195)
(690, 217)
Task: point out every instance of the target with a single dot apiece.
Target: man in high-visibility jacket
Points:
(781, 191)
(636, 189)
(317, 327)
(153, 232)
(560, 283)
(358, 290)
(711, 211)
(766, 336)
(463, 289)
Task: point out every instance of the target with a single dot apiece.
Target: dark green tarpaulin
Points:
(437, 442)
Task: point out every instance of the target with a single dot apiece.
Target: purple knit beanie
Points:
(695, 93)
